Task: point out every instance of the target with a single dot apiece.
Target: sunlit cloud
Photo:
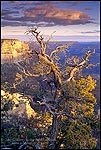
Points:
(67, 18)
(88, 8)
(44, 14)
(95, 31)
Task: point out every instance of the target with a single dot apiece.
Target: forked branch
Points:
(81, 65)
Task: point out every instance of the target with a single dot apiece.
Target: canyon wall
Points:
(13, 50)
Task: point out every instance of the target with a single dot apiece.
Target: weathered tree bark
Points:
(56, 80)
(53, 133)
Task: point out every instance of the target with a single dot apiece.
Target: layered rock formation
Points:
(21, 106)
(13, 50)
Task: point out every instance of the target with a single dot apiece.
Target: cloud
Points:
(88, 8)
(48, 14)
(29, 3)
(21, 2)
(58, 38)
(7, 12)
(74, 3)
(58, 16)
(95, 31)
(26, 23)
(13, 23)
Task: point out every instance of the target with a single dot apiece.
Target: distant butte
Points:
(12, 50)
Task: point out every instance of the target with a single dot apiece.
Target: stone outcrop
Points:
(21, 106)
(13, 50)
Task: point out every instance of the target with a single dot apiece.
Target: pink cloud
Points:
(51, 15)
(88, 8)
(55, 14)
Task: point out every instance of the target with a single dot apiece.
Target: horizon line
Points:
(46, 40)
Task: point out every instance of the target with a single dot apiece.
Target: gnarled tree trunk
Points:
(53, 133)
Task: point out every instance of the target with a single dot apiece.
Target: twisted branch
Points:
(58, 49)
(81, 65)
(51, 109)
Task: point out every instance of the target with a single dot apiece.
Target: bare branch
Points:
(21, 69)
(47, 106)
(81, 65)
(86, 59)
(50, 38)
(73, 71)
(89, 65)
(48, 62)
(58, 113)
(53, 52)
(75, 60)
(38, 37)
(51, 109)
(68, 115)
(58, 49)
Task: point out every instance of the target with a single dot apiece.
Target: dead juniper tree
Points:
(55, 82)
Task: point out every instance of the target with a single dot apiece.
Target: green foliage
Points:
(81, 90)
(72, 134)
(77, 100)
(6, 107)
(31, 134)
(76, 135)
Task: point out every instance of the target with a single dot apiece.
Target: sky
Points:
(67, 20)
